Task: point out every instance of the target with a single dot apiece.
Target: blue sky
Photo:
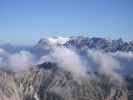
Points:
(26, 21)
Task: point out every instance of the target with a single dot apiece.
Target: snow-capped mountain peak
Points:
(58, 40)
(47, 43)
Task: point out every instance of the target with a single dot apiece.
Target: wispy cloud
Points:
(16, 62)
(69, 60)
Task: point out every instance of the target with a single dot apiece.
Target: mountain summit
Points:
(81, 42)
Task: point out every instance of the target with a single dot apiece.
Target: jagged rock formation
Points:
(47, 82)
(100, 44)
(45, 45)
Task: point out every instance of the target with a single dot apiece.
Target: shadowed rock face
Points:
(47, 82)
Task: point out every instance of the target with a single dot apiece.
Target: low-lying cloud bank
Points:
(16, 62)
(20, 61)
(70, 60)
(102, 62)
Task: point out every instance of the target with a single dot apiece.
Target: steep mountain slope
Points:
(47, 82)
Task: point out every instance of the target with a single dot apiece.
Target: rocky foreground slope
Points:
(47, 82)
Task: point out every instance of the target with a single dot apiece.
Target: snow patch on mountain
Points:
(58, 40)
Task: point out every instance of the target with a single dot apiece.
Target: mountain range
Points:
(67, 68)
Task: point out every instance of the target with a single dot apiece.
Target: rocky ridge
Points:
(47, 82)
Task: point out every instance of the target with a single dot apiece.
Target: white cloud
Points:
(16, 62)
(20, 61)
(106, 64)
(58, 40)
(69, 60)
(128, 55)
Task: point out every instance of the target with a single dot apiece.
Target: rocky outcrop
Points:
(47, 82)
(8, 87)
(100, 44)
